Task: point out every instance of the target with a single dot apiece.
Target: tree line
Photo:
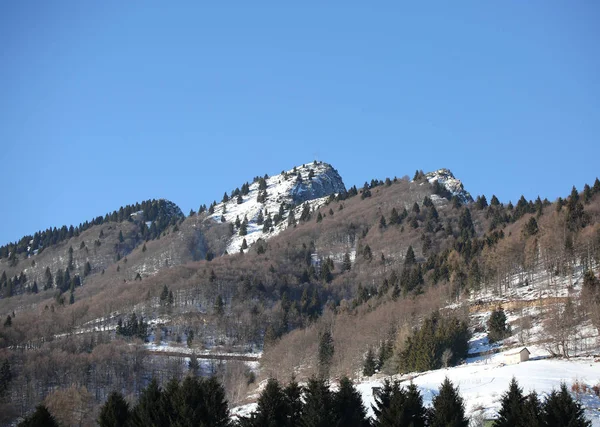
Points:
(198, 401)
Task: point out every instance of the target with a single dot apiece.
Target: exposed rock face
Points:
(326, 181)
(310, 183)
(451, 183)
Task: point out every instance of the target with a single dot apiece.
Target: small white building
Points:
(516, 356)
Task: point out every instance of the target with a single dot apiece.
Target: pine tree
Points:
(382, 408)
(5, 378)
(8, 321)
(559, 409)
(369, 363)
(448, 409)
(346, 263)
(382, 222)
(40, 418)
(410, 258)
(496, 324)
(293, 399)
(326, 350)
(193, 364)
(512, 407)
(272, 409)
(115, 412)
(219, 306)
(147, 412)
(349, 410)
(413, 413)
(318, 406)
(532, 411)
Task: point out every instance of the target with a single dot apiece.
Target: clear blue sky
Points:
(106, 103)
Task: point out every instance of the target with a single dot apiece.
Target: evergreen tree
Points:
(34, 288)
(244, 245)
(193, 364)
(349, 410)
(121, 239)
(5, 378)
(413, 412)
(512, 407)
(382, 222)
(559, 409)
(40, 418)
(225, 198)
(389, 392)
(219, 306)
(318, 404)
(496, 324)
(8, 321)
(115, 412)
(532, 411)
(394, 217)
(410, 258)
(148, 410)
(346, 263)
(326, 350)
(293, 399)
(272, 409)
(369, 363)
(448, 408)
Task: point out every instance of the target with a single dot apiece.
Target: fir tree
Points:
(497, 328)
(382, 408)
(532, 411)
(193, 364)
(394, 217)
(326, 350)
(5, 378)
(272, 409)
(318, 404)
(293, 399)
(559, 409)
(369, 363)
(148, 412)
(346, 263)
(410, 258)
(115, 412)
(40, 418)
(512, 406)
(448, 408)
(348, 407)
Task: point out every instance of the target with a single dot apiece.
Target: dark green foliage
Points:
(366, 192)
(410, 258)
(5, 378)
(532, 411)
(369, 363)
(494, 201)
(559, 409)
(8, 321)
(326, 350)
(293, 399)
(318, 404)
(272, 409)
(425, 347)
(133, 328)
(115, 412)
(348, 407)
(219, 307)
(148, 412)
(305, 214)
(346, 263)
(386, 350)
(531, 227)
(367, 254)
(40, 418)
(448, 409)
(497, 327)
(512, 407)
(200, 402)
(396, 406)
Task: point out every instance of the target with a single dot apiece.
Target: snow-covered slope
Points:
(451, 183)
(318, 181)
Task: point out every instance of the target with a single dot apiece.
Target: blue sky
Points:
(107, 103)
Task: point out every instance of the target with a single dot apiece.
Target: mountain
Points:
(450, 183)
(370, 266)
(271, 199)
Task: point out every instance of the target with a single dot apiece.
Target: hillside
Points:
(367, 265)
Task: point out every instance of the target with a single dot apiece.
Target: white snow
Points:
(279, 190)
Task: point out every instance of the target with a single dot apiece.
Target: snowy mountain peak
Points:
(267, 202)
(450, 183)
